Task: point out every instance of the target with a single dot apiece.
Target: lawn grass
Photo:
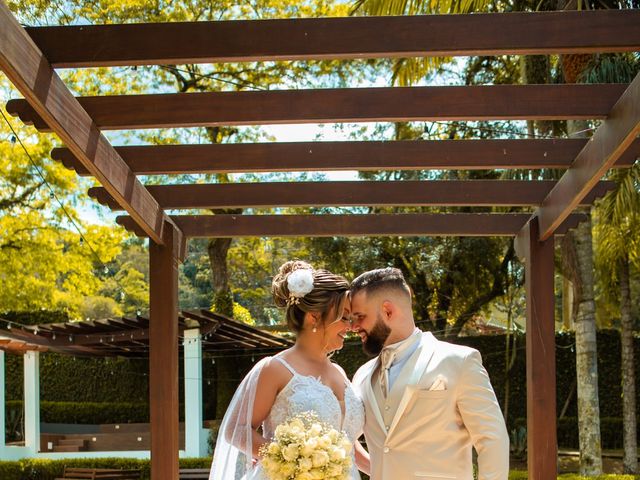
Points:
(522, 475)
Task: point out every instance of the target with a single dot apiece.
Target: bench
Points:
(99, 474)
(194, 474)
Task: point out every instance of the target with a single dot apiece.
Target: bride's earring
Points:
(314, 330)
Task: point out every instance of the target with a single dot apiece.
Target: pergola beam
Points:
(361, 156)
(388, 104)
(610, 141)
(419, 224)
(352, 193)
(340, 38)
(30, 72)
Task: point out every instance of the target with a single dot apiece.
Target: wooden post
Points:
(542, 448)
(163, 355)
(3, 424)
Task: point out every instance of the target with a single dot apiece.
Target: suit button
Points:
(387, 427)
(387, 407)
(386, 450)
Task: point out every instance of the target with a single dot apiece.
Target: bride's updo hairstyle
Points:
(300, 288)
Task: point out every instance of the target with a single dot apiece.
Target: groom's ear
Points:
(388, 308)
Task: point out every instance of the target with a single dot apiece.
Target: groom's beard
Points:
(376, 337)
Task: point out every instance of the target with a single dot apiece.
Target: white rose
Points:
(319, 459)
(324, 441)
(309, 447)
(290, 452)
(315, 430)
(337, 454)
(316, 474)
(334, 470)
(287, 469)
(273, 449)
(305, 464)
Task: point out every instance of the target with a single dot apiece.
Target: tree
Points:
(618, 252)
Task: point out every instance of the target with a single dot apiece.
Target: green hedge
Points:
(89, 412)
(36, 469)
(610, 432)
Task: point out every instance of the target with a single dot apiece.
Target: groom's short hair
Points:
(380, 279)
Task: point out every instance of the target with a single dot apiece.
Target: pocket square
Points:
(440, 383)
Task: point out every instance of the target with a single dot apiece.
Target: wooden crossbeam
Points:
(369, 193)
(46, 94)
(610, 141)
(362, 156)
(452, 224)
(495, 102)
(340, 38)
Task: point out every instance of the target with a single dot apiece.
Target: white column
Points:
(32, 401)
(193, 432)
(3, 427)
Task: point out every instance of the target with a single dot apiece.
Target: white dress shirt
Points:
(404, 349)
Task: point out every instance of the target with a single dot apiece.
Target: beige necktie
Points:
(387, 355)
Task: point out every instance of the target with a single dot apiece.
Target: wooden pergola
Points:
(129, 337)
(29, 58)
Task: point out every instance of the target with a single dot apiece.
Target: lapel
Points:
(427, 348)
(369, 396)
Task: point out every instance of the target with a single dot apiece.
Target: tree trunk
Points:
(630, 441)
(567, 303)
(586, 357)
(222, 298)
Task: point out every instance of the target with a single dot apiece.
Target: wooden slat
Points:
(310, 194)
(541, 362)
(362, 156)
(337, 38)
(27, 68)
(496, 102)
(609, 142)
(461, 224)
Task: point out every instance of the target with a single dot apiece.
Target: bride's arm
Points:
(272, 379)
(258, 395)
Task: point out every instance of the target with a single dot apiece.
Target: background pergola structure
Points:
(201, 331)
(29, 56)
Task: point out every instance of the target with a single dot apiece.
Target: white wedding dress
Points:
(303, 393)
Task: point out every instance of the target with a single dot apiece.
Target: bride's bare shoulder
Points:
(340, 370)
(274, 372)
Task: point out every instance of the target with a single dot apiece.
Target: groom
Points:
(427, 402)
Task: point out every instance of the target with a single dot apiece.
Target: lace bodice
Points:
(305, 393)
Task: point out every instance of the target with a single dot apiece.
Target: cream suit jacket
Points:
(429, 434)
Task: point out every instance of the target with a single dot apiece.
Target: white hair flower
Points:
(299, 283)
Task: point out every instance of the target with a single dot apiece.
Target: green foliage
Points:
(37, 469)
(89, 413)
(610, 432)
(67, 379)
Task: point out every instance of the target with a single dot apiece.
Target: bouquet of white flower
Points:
(306, 449)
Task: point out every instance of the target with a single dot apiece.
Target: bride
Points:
(299, 379)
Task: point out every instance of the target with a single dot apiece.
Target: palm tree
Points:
(617, 252)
